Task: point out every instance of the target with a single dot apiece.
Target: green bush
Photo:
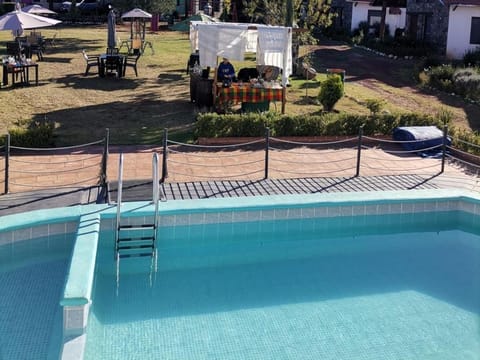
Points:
(472, 57)
(375, 105)
(37, 135)
(327, 124)
(441, 77)
(330, 92)
(467, 83)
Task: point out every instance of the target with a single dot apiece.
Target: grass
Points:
(135, 109)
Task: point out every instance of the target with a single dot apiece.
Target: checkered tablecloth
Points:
(245, 93)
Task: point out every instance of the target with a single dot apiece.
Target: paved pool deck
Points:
(231, 173)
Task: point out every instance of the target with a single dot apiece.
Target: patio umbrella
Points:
(18, 20)
(38, 10)
(111, 38)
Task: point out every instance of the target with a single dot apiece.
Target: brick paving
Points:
(46, 180)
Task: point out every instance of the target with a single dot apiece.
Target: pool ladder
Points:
(136, 240)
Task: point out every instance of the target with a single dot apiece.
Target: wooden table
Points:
(245, 93)
(15, 69)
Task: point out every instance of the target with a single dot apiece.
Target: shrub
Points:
(330, 92)
(37, 135)
(326, 124)
(374, 105)
(472, 57)
(467, 83)
(441, 77)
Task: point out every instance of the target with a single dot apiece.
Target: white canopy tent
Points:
(272, 44)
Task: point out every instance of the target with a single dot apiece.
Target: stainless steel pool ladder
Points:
(136, 240)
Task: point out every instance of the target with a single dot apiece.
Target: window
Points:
(475, 31)
(374, 17)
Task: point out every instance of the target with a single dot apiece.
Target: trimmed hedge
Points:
(328, 124)
(38, 135)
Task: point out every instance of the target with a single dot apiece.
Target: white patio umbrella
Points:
(37, 10)
(18, 20)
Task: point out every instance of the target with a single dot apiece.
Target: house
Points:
(463, 27)
(452, 27)
(350, 13)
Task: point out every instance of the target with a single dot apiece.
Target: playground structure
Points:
(137, 42)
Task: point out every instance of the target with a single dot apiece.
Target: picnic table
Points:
(248, 93)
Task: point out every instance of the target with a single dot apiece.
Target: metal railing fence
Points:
(291, 158)
(261, 158)
(74, 166)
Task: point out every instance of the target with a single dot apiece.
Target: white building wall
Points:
(360, 13)
(459, 26)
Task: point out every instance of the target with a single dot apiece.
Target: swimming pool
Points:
(32, 276)
(279, 290)
(390, 275)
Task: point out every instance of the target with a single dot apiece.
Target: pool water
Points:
(32, 275)
(270, 291)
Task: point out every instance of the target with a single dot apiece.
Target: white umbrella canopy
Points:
(17, 21)
(38, 10)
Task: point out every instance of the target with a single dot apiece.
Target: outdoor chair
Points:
(51, 41)
(14, 49)
(112, 51)
(35, 47)
(91, 60)
(131, 61)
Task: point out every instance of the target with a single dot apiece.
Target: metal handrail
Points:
(119, 198)
(156, 192)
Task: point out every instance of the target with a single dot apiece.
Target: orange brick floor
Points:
(31, 172)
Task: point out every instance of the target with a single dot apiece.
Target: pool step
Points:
(136, 240)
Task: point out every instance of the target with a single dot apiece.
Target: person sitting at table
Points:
(225, 71)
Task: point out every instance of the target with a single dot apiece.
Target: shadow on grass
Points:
(170, 77)
(141, 120)
(94, 82)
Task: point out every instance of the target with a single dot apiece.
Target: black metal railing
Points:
(261, 158)
(22, 170)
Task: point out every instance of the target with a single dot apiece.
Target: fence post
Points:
(106, 142)
(7, 160)
(267, 146)
(359, 150)
(164, 156)
(444, 148)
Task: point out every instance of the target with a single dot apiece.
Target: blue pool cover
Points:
(419, 137)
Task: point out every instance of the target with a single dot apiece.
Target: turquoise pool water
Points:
(32, 275)
(380, 287)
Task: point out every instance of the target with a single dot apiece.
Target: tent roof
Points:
(136, 14)
(272, 44)
(184, 25)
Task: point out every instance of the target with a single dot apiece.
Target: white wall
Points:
(459, 24)
(360, 13)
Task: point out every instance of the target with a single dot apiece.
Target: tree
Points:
(307, 14)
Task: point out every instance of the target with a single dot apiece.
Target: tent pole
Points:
(214, 90)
